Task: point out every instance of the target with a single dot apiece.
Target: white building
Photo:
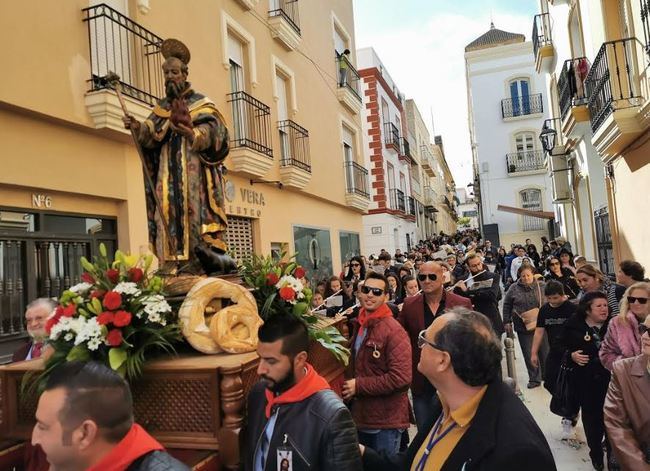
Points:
(467, 208)
(391, 222)
(506, 105)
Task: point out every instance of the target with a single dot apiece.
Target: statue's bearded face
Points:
(175, 73)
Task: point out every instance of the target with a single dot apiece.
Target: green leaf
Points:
(102, 250)
(267, 305)
(299, 309)
(116, 358)
(78, 353)
(97, 306)
(89, 267)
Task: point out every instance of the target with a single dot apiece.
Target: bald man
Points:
(417, 314)
(478, 421)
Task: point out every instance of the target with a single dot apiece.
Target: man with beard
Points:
(36, 314)
(293, 414)
(184, 142)
(483, 290)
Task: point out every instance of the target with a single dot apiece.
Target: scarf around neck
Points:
(309, 385)
(364, 316)
(135, 444)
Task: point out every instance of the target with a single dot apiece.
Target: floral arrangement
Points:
(279, 289)
(116, 315)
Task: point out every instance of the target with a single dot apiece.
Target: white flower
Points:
(127, 287)
(69, 336)
(94, 343)
(78, 329)
(80, 288)
(154, 307)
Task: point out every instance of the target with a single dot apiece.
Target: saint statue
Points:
(184, 143)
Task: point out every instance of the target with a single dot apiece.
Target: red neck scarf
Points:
(135, 444)
(307, 386)
(364, 317)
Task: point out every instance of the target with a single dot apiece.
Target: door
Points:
(391, 185)
(520, 97)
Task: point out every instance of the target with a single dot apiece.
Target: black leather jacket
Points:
(157, 461)
(319, 430)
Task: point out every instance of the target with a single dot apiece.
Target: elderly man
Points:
(36, 314)
(479, 423)
(627, 415)
(417, 314)
(519, 260)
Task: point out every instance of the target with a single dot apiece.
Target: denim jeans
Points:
(423, 410)
(386, 440)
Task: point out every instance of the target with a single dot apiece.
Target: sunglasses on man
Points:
(374, 291)
(424, 276)
(422, 341)
(634, 299)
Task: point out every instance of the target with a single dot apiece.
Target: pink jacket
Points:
(621, 341)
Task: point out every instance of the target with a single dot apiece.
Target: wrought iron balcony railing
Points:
(405, 148)
(251, 123)
(525, 161)
(391, 135)
(294, 145)
(522, 105)
(571, 84)
(356, 179)
(287, 9)
(612, 81)
(120, 45)
(348, 76)
(412, 205)
(397, 201)
(541, 32)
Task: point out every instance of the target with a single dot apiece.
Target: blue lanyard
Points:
(433, 441)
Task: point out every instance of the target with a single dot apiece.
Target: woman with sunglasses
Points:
(623, 339)
(356, 270)
(556, 272)
(591, 279)
(583, 337)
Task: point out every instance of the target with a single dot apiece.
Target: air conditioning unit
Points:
(561, 189)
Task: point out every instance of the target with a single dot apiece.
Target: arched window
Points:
(531, 199)
(520, 95)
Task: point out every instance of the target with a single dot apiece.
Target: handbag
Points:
(564, 401)
(529, 317)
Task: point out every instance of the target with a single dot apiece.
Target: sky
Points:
(422, 44)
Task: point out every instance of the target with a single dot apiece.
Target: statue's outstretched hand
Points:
(130, 122)
(183, 130)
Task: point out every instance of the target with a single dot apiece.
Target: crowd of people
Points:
(426, 338)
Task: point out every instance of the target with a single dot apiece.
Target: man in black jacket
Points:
(483, 290)
(294, 419)
(480, 424)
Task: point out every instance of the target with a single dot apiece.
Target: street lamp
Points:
(547, 136)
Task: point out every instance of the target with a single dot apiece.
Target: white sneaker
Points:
(568, 430)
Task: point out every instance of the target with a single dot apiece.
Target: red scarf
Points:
(364, 317)
(135, 444)
(307, 386)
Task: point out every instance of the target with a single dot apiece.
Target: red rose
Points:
(113, 275)
(69, 310)
(272, 279)
(51, 322)
(122, 319)
(87, 278)
(105, 318)
(114, 338)
(112, 300)
(287, 293)
(59, 311)
(135, 274)
(98, 293)
(299, 273)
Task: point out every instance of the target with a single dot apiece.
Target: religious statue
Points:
(183, 144)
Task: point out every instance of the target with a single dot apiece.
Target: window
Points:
(531, 199)
(402, 182)
(285, 145)
(236, 60)
(391, 176)
(385, 113)
(520, 96)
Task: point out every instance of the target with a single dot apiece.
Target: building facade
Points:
(506, 110)
(391, 220)
(467, 209)
(71, 177)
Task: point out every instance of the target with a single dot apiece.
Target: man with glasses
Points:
(382, 371)
(483, 290)
(477, 422)
(417, 314)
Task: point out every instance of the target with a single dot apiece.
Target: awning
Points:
(527, 212)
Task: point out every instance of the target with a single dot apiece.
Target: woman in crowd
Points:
(627, 414)
(523, 296)
(356, 269)
(317, 301)
(566, 259)
(395, 288)
(584, 334)
(592, 279)
(546, 251)
(501, 264)
(630, 272)
(411, 287)
(562, 274)
(623, 339)
(579, 261)
(334, 285)
(534, 256)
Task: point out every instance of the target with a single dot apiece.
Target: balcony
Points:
(412, 206)
(348, 91)
(405, 151)
(573, 96)
(356, 179)
(525, 105)
(525, 162)
(118, 44)
(397, 200)
(415, 185)
(542, 43)
(295, 161)
(615, 97)
(427, 161)
(429, 198)
(251, 151)
(284, 22)
(391, 136)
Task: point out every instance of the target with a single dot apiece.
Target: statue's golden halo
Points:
(175, 48)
